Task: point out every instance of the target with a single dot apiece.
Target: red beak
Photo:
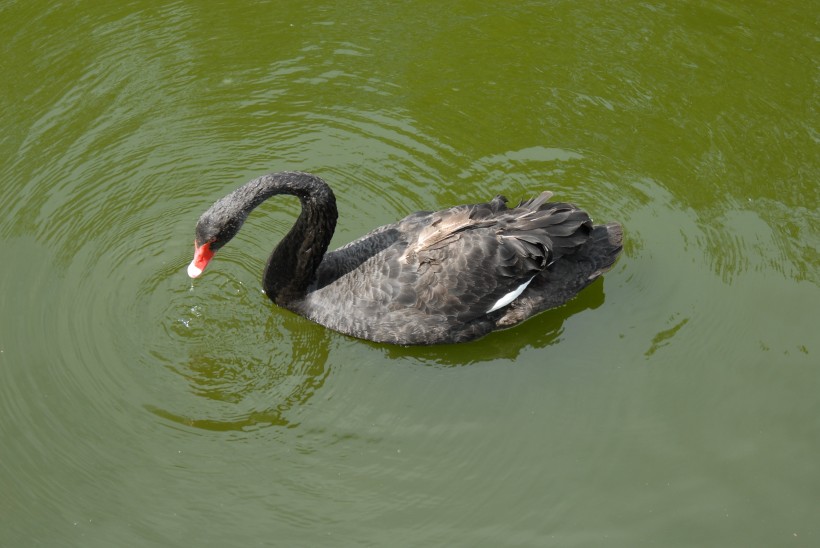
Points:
(202, 255)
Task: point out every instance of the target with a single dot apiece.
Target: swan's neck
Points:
(292, 265)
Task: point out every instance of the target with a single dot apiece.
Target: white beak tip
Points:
(194, 271)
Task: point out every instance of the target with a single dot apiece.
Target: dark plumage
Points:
(433, 277)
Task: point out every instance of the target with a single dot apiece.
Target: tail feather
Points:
(567, 275)
(605, 245)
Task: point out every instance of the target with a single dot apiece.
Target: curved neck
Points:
(291, 267)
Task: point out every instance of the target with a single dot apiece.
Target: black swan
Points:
(433, 277)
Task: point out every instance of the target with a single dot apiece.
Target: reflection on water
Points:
(249, 367)
(248, 393)
(537, 332)
(663, 337)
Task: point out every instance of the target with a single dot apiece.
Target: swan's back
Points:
(457, 274)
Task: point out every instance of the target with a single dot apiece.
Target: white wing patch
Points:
(511, 296)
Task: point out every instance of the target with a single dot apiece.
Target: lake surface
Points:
(676, 402)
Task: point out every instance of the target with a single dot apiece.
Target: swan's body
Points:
(433, 277)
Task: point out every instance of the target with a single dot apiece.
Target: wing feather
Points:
(454, 264)
(469, 257)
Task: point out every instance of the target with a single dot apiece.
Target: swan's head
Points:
(215, 228)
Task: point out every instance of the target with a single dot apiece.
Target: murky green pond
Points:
(674, 403)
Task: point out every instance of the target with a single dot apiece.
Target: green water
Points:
(674, 403)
